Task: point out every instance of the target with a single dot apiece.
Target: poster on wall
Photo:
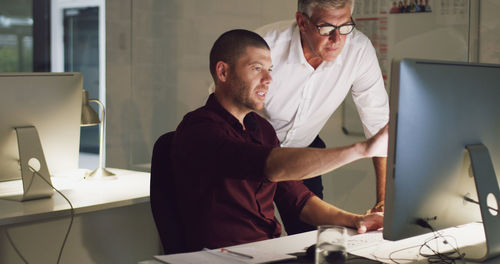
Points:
(429, 29)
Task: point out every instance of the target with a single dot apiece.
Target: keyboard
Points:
(361, 241)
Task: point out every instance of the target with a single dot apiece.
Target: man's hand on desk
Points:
(370, 222)
(379, 207)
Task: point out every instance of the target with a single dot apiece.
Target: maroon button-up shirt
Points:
(223, 196)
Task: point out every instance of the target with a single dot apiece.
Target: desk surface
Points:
(129, 188)
(299, 242)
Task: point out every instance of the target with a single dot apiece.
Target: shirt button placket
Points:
(304, 99)
(299, 118)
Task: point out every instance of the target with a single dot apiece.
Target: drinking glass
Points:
(331, 245)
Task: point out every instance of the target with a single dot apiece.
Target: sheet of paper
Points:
(201, 257)
(468, 238)
(218, 256)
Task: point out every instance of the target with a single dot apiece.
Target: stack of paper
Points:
(239, 255)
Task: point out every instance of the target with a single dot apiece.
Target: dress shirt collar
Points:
(296, 54)
(249, 120)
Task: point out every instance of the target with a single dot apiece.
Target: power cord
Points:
(438, 257)
(391, 257)
(468, 199)
(14, 246)
(72, 212)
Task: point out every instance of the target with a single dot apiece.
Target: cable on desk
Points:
(30, 184)
(468, 199)
(399, 250)
(438, 257)
(72, 211)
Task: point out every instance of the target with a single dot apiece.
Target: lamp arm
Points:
(101, 105)
(101, 133)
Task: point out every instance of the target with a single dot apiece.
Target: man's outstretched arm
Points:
(284, 164)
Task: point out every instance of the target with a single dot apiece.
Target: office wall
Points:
(489, 33)
(157, 71)
(157, 64)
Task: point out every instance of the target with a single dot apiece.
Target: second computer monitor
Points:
(438, 108)
(51, 104)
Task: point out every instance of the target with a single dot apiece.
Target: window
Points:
(16, 36)
(57, 36)
(78, 45)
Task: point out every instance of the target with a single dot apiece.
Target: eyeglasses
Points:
(327, 29)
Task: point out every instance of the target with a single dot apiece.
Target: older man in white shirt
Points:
(318, 58)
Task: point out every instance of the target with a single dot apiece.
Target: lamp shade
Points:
(89, 115)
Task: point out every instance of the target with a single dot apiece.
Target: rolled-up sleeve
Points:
(369, 94)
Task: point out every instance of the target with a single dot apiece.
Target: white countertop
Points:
(370, 245)
(130, 187)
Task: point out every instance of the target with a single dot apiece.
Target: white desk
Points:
(298, 243)
(112, 223)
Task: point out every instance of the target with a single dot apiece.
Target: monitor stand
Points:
(486, 185)
(32, 162)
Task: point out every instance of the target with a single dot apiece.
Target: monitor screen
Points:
(50, 102)
(437, 109)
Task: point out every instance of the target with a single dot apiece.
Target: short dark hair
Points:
(231, 45)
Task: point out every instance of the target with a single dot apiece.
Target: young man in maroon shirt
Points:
(229, 168)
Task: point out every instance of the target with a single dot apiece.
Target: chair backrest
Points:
(162, 196)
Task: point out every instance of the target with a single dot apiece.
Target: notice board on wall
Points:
(428, 29)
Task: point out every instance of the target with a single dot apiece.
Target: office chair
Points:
(162, 197)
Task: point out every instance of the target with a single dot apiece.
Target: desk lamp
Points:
(90, 118)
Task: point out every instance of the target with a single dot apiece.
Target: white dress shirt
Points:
(301, 99)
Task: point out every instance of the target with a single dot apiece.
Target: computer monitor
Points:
(438, 111)
(40, 118)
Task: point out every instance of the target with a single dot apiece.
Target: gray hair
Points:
(306, 6)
